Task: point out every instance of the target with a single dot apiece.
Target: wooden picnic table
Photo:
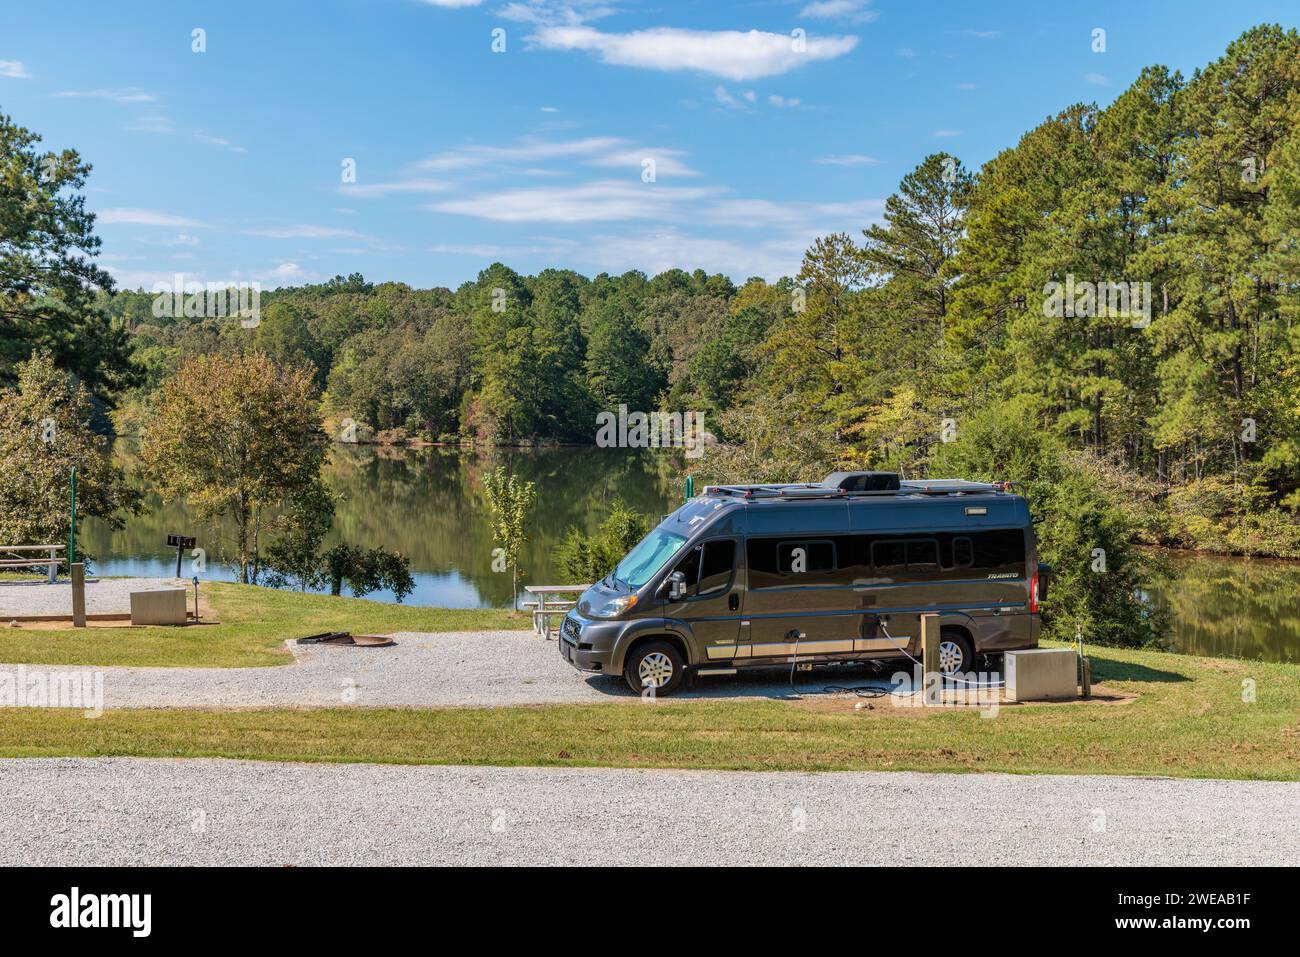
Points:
(51, 563)
(549, 604)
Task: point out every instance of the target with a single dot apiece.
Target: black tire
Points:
(656, 655)
(956, 638)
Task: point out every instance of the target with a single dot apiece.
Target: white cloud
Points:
(129, 94)
(451, 4)
(947, 133)
(549, 109)
(568, 13)
(154, 123)
(655, 251)
(593, 151)
(721, 94)
(906, 52)
(854, 10)
(1096, 78)
(414, 185)
(848, 159)
(965, 86)
(285, 271)
(14, 69)
(666, 161)
(598, 201)
(783, 101)
(145, 217)
(731, 54)
(767, 214)
(528, 150)
(219, 141)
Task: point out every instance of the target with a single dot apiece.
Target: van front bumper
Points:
(589, 645)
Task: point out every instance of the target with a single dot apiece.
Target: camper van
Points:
(752, 576)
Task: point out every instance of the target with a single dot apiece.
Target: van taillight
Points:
(1033, 593)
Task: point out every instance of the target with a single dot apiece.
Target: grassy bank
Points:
(1189, 720)
(253, 624)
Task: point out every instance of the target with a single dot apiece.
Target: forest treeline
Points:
(892, 344)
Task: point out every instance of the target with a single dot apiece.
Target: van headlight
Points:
(613, 607)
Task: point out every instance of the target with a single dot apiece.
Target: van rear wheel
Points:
(657, 665)
(956, 653)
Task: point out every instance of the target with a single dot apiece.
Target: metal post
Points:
(78, 572)
(72, 521)
(178, 561)
(690, 487)
(53, 566)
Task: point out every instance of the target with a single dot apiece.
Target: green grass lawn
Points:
(254, 622)
(1188, 721)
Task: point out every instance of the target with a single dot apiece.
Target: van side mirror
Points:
(676, 583)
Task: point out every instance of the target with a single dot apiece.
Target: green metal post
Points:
(72, 522)
(690, 487)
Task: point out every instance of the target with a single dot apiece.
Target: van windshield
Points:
(648, 557)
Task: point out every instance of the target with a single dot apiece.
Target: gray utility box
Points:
(158, 606)
(1041, 674)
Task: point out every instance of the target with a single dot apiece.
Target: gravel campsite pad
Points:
(108, 596)
(421, 670)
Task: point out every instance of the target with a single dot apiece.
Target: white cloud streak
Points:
(731, 54)
(145, 217)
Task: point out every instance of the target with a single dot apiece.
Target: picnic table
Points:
(549, 604)
(12, 556)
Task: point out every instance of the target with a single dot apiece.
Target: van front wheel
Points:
(657, 665)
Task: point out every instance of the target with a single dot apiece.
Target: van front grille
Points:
(570, 630)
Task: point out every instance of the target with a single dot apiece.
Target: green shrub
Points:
(588, 558)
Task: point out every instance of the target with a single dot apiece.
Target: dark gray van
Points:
(746, 576)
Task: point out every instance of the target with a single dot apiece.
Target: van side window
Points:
(803, 558)
(888, 556)
(1000, 549)
(690, 568)
(923, 555)
(773, 562)
(715, 571)
(892, 556)
(963, 552)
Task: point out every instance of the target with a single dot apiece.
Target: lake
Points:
(428, 504)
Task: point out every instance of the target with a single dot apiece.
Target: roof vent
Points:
(863, 481)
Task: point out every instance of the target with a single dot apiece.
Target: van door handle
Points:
(733, 601)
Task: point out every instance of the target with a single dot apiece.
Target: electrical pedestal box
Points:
(158, 606)
(1041, 674)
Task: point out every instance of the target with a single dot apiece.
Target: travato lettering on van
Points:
(752, 576)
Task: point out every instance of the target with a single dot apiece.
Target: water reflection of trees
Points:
(1244, 608)
(428, 505)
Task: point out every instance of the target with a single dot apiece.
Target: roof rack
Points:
(808, 490)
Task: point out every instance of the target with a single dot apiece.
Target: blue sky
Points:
(228, 164)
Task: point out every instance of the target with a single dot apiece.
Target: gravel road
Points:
(422, 670)
(109, 811)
